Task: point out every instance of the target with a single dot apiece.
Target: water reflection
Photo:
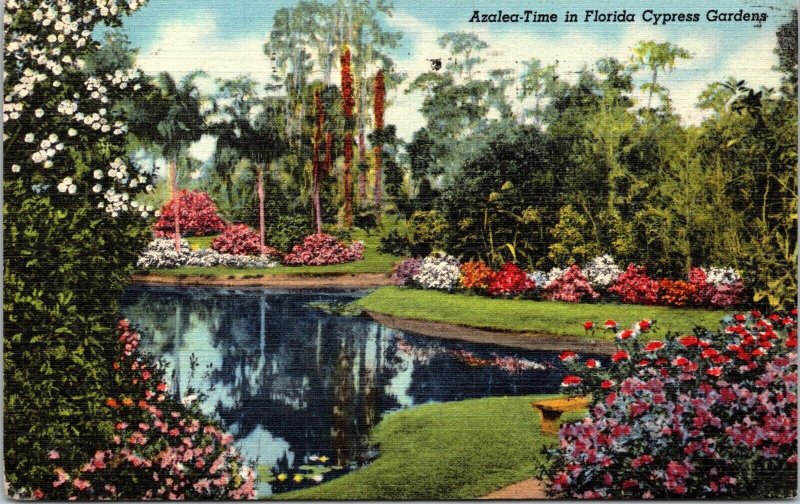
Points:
(292, 382)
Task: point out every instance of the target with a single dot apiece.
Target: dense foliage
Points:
(321, 249)
(238, 239)
(708, 415)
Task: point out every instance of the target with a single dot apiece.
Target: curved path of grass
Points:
(456, 450)
(540, 317)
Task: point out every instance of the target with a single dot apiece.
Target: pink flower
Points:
(53, 455)
(81, 484)
(61, 477)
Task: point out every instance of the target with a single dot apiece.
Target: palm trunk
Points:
(348, 180)
(378, 184)
(173, 175)
(316, 171)
(362, 174)
(378, 106)
(261, 205)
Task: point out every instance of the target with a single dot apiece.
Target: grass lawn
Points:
(552, 317)
(374, 262)
(200, 242)
(456, 450)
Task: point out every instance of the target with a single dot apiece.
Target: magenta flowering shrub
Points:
(161, 448)
(321, 249)
(636, 287)
(404, 271)
(239, 239)
(197, 216)
(721, 290)
(708, 415)
(571, 286)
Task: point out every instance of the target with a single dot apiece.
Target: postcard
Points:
(411, 250)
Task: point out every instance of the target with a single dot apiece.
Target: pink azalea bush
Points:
(322, 249)
(571, 286)
(161, 448)
(239, 239)
(635, 287)
(197, 216)
(708, 415)
(719, 291)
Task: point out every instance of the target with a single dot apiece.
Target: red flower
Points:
(607, 384)
(680, 361)
(588, 325)
(591, 363)
(571, 380)
(654, 346)
(709, 352)
(161, 387)
(739, 317)
(620, 355)
(644, 325)
(610, 324)
(688, 341)
(755, 314)
(567, 355)
(626, 334)
(714, 371)
(111, 402)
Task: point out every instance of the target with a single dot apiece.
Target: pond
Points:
(294, 383)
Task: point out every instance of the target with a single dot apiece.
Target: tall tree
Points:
(379, 95)
(175, 110)
(654, 57)
(348, 100)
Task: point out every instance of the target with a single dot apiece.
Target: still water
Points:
(293, 383)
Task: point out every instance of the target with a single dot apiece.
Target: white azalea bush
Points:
(161, 254)
(721, 276)
(438, 271)
(601, 271)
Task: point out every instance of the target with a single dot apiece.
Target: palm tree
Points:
(252, 130)
(171, 118)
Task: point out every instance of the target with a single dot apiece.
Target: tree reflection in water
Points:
(291, 381)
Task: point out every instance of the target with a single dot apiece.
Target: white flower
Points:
(29, 138)
(15, 168)
(39, 112)
(98, 174)
(97, 188)
(72, 188)
(72, 132)
(65, 185)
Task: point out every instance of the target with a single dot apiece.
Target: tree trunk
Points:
(362, 174)
(378, 185)
(378, 106)
(348, 180)
(173, 175)
(261, 205)
(316, 169)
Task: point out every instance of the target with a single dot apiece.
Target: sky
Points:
(225, 38)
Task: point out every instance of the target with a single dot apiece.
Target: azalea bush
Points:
(510, 281)
(718, 287)
(635, 286)
(403, 272)
(676, 292)
(571, 286)
(197, 215)
(161, 254)
(322, 249)
(601, 272)
(707, 415)
(438, 271)
(239, 239)
(476, 275)
(161, 447)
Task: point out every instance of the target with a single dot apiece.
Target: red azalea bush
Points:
(239, 239)
(676, 292)
(198, 216)
(476, 275)
(162, 448)
(510, 281)
(635, 287)
(709, 415)
(321, 249)
(571, 286)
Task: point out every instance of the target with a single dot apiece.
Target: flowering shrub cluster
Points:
(239, 239)
(321, 249)
(438, 271)
(717, 287)
(161, 448)
(476, 275)
(636, 287)
(707, 415)
(600, 276)
(161, 254)
(404, 271)
(510, 281)
(571, 287)
(197, 215)
(601, 272)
